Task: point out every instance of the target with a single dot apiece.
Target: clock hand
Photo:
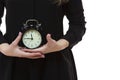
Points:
(27, 38)
(31, 37)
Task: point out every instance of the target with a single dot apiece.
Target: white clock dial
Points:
(32, 38)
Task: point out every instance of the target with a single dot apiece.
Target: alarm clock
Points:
(32, 34)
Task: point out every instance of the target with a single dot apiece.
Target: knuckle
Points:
(6, 54)
(20, 56)
(33, 57)
(30, 57)
(13, 43)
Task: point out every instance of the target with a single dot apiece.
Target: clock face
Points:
(32, 38)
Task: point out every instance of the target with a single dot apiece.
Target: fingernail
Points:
(42, 56)
(20, 33)
(49, 35)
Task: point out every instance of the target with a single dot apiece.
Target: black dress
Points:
(56, 65)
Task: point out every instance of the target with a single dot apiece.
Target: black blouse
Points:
(51, 16)
(57, 66)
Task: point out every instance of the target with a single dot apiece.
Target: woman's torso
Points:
(18, 11)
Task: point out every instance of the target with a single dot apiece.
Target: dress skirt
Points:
(55, 66)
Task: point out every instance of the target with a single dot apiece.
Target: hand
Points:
(14, 50)
(51, 46)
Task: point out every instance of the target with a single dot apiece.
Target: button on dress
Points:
(57, 65)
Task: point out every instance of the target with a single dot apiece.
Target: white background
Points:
(97, 56)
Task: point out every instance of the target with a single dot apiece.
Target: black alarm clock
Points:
(32, 37)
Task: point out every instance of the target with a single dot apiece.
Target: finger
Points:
(30, 50)
(35, 57)
(27, 54)
(50, 42)
(19, 47)
(48, 37)
(33, 51)
(16, 41)
(41, 49)
(41, 56)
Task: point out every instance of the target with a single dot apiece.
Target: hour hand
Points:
(27, 38)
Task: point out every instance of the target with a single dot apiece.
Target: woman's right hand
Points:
(15, 51)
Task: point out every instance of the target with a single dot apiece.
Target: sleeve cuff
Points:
(73, 38)
(2, 39)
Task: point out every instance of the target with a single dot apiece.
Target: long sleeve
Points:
(74, 13)
(2, 39)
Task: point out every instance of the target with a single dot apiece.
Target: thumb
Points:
(16, 41)
(49, 39)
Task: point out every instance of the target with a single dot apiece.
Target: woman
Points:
(51, 61)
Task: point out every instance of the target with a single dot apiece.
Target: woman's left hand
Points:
(51, 46)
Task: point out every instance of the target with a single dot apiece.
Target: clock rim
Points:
(26, 32)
